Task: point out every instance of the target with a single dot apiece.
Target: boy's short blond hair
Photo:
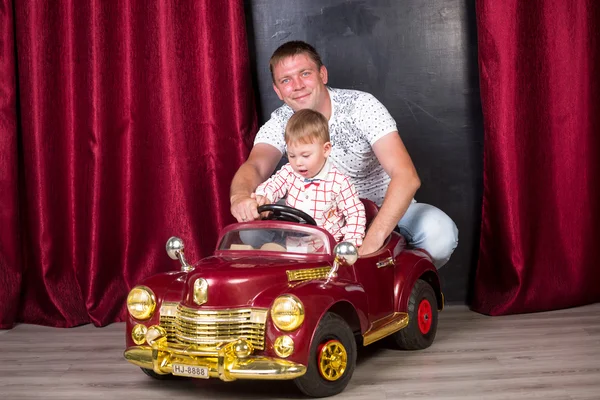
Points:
(307, 126)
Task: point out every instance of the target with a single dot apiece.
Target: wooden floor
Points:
(554, 355)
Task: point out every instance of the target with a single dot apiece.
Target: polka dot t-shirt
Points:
(357, 121)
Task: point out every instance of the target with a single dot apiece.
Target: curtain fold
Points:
(11, 262)
(132, 118)
(540, 91)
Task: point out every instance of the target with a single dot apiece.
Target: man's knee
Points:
(433, 231)
(442, 239)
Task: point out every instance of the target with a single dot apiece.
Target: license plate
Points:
(193, 371)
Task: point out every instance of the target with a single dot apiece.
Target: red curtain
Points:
(540, 89)
(122, 124)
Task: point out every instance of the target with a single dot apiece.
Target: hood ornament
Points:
(200, 291)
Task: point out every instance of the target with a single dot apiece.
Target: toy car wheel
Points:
(154, 375)
(332, 358)
(423, 319)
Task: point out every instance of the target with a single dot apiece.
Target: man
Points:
(366, 147)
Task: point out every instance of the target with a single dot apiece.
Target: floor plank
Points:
(553, 355)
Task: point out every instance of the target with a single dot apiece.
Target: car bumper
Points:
(225, 364)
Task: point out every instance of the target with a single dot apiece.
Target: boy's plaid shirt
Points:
(331, 200)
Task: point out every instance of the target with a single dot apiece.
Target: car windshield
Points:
(281, 240)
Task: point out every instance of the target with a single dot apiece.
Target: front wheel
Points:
(154, 375)
(332, 358)
(422, 319)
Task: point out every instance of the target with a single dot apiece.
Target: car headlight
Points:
(283, 346)
(141, 302)
(138, 333)
(287, 312)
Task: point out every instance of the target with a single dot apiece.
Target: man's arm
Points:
(260, 165)
(396, 161)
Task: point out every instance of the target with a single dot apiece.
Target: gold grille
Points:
(168, 315)
(209, 328)
(168, 323)
(308, 274)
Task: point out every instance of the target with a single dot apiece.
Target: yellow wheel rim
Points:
(332, 360)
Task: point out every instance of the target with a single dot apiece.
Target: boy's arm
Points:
(277, 186)
(354, 213)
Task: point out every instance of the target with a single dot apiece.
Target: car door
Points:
(376, 275)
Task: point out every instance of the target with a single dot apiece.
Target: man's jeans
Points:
(429, 228)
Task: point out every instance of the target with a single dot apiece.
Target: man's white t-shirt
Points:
(357, 121)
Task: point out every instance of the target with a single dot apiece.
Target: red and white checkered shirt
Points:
(332, 200)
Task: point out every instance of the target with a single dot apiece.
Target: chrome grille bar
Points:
(210, 328)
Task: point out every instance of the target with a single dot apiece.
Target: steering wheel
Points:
(279, 212)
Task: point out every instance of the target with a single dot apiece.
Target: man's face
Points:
(300, 84)
(307, 159)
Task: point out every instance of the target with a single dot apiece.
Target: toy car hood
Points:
(238, 282)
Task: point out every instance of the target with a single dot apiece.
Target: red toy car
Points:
(281, 300)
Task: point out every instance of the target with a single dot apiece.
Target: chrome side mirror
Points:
(175, 251)
(345, 254)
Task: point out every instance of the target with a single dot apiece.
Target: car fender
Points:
(319, 297)
(166, 286)
(414, 267)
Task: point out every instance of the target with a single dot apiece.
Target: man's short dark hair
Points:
(294, 48)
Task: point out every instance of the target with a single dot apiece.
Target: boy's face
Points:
(307, 159)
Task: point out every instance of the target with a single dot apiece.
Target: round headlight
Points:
(141, 302)
(283, 346)
(138, 334)
(287, 312)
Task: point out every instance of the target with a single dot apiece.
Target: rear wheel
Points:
(423, 318)
(332, 358)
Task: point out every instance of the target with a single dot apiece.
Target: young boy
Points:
(312, 183)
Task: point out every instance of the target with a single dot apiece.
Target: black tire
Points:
(331, 327)
(154, 375)
(420, 333)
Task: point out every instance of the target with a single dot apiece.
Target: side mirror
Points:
(175, 251)
(345, 254)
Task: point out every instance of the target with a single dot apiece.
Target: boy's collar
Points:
(324, 171)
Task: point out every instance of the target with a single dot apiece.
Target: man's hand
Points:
(244, 208)
(369, 245)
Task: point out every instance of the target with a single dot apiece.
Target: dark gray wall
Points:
(419, 58)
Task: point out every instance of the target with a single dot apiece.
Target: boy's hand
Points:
(260, 200)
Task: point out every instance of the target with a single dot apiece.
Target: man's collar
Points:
(331, 102)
